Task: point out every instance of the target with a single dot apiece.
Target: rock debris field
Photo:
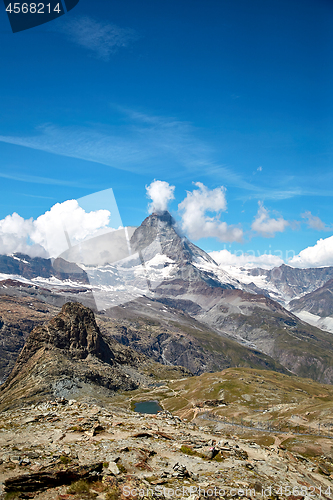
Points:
(67, 449)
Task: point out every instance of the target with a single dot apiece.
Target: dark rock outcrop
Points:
(69, 357)
(40, 481)
(73, 331)
(171, 336)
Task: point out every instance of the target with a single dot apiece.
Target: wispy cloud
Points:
(146, 143)
(226, 175)
(37, 196)
(248, 259)
(314, 222)
(101, 38)
(35, 179)
(142, 145)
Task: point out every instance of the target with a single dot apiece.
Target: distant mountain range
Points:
(172, 302)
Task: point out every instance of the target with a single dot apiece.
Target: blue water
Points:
(147, 407)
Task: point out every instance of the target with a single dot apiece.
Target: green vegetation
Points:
(309, 346)
(230, 352)
(13, 495)
(81, 488)
(76, 428)
(264, 440)
(188, 451)
(253, 398)
(113, 494)
(121, 468)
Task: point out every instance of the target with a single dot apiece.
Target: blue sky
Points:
(226, 93)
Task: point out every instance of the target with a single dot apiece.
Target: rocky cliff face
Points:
(169, 335)
(319, 302)
(316, 307)
(163, 333)
(18, 317)
(258, 322)
(68, 356)
(73, 331)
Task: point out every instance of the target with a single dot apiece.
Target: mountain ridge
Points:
(167, 268)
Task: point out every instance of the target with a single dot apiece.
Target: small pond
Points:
(147, 407)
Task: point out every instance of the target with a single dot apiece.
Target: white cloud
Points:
(321, 254)
(14, 236)
(160, 192)
(266, 226)
(64, 225)
(265, 261)
(101, 38)
(314, 222)
(195, 221)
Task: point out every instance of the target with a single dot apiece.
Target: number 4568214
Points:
(32, 8)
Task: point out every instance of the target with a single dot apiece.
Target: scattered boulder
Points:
(113, 469)
(51, 478)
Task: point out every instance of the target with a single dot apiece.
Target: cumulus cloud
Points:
(249, 260)
(265, 225)
(160, 192)
(314, 222)
(195, 221)
(15, 234)
(64, 225)
(320, 255)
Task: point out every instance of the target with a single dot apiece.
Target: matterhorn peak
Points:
(156, 218)
(161, 227)
(164, 216)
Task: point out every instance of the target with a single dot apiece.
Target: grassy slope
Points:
(285, 402)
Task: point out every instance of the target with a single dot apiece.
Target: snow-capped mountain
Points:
(283, 283)
(157, 262)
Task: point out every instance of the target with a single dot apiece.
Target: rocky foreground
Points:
(68, 429)
(74, 450)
